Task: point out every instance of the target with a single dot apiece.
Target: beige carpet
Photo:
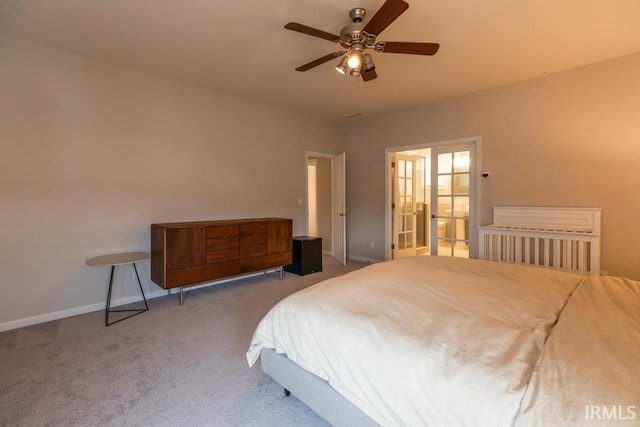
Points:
(171, 366)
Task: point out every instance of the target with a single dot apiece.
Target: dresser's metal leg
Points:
(181, 295)
(281, 272)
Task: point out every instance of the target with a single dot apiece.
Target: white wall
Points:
(93, 153)
(569, 139)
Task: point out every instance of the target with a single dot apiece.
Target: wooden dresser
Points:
(189, 253)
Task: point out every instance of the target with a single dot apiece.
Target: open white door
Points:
(404, 205)
(338, 209)
(453, 197)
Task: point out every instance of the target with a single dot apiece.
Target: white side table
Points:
(115, 260)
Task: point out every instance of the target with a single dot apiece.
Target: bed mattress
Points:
(423, 340)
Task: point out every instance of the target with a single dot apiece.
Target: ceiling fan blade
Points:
(320, 61)
(369, 75)
(294, 26)
(408, 47)
(388, 12)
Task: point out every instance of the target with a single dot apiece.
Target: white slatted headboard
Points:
(560, 238)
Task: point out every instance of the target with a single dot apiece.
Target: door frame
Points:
(341, 257)
(473, 226)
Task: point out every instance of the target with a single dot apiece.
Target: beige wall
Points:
(569, 139)
(92, 154)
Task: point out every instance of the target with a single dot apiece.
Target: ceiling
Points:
(241, 48)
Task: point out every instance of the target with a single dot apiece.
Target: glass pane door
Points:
(452, 198)
(404, 207)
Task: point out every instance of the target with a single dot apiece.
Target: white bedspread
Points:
(423, 340)
(589, 372)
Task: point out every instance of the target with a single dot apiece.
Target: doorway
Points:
(432, 199)
(326, 201)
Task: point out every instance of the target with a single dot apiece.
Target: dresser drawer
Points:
(265, 262)
(221, 230)
(202, 273)
(222, 255)
(253, 244)
(254, 227)
(225, 269)
(225, 242)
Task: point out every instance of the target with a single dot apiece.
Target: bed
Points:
(435, 341)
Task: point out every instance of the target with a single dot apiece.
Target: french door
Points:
(432, 199)
(404, 205)
(452, 199)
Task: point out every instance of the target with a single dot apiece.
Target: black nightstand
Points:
(307, 255)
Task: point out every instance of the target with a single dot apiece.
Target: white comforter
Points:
(589, 372)
(423, 341)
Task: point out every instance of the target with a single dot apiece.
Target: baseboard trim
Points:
(363, 259)
(76, 311)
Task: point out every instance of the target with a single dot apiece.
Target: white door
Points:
(338, 209)
(404, 173)
(453, 193)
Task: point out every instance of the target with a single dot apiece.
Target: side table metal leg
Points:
(141, 290)
(107, 309)
(135, 311)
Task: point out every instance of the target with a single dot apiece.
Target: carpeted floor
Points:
(171, 366)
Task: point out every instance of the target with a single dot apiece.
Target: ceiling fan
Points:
(357, 37)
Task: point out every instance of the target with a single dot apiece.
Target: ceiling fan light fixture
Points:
(356, 38)
(343, 65)
(368, 62)
(355, 59)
